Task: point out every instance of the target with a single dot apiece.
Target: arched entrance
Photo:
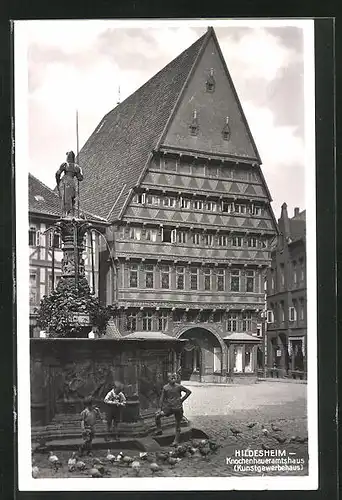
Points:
(203, 356)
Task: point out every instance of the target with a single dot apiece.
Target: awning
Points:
(242, 337)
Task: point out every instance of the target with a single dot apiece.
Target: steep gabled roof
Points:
(116, 153)
(44, 201)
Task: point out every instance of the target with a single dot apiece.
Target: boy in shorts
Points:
(171, 403)
(89, 416)
(115, 401)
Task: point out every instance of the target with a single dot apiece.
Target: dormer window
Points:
(226, 130)
(210, 83)
(194, 124)
(39, 197)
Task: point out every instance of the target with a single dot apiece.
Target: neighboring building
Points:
(45, 246)
(175, 171)
(286, 299)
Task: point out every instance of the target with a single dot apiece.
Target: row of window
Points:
(277, 312)
(34, 289)
(297, 275)
(211, 280)
(229, 207)
(180, 236)
(35, 238)
(149, 321)
(197, 169)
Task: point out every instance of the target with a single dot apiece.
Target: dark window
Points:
(166, 235)
(133, 276)
(220, 280)
(207, 279)
(33, 289)
(193, 278)
(180, 278)
(250, 281)
(33, 237)
(149, 273)
(247, 321)
(235, 280)
(165, 277)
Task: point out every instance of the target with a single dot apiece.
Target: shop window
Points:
(235, 280)
(207, 279)
(217, 359)
(248, 359)
(133, 275)
(132, 322)
(149, 275)
(238, 351)
(165, 277)
(193, 278)
(147, 321)
(180, 278)
(220, 280)
(163, 320)
(250, 281)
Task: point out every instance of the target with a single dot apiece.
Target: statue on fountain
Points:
(67, 186)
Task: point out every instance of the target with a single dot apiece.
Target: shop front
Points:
(242, 357)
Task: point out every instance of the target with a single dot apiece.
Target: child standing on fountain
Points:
(115, 401)
(171, 403)
(89, 416)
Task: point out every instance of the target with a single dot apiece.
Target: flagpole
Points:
(77, 153)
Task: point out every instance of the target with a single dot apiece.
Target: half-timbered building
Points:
(175, 171)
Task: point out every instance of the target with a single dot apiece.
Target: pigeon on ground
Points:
(251, 425)
(80, 465)
(35, 471)
(275, 428)
(154, 468)
(94, 472)
(265, 447)
(280, 439)
(235, 431)
(265, 431)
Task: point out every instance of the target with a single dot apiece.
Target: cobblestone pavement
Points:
(219, 411)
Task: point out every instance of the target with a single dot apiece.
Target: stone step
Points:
(148, 443)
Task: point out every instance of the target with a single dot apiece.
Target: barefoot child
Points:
(115, 401)
(89, 416)
(171, 403)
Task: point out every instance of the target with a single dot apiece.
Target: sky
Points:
(83, 64)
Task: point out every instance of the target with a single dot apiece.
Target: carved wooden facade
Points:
(191, 222)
